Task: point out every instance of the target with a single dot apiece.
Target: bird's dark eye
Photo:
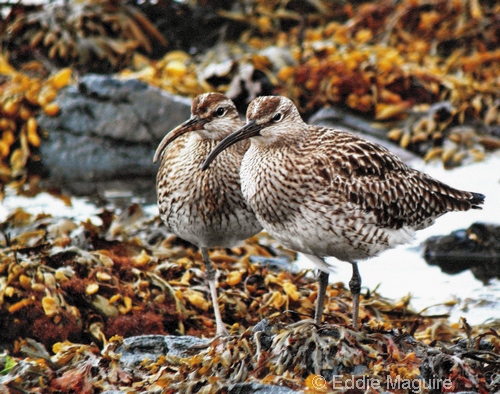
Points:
(220, 111)
(277, 117)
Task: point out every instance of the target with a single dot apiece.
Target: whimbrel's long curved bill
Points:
(193, 123)
(251, 129)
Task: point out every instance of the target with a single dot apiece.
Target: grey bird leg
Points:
(355, 287)
(320, 301)
(211, 279)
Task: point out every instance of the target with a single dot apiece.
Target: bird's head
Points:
(270, 120)
(213, 117)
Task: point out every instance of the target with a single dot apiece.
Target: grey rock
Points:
(135, 349)
(277, 264)
(106, 133)
(113, 392)
(257, 388)
(476, 248)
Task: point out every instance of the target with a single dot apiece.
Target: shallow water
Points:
(397, 272)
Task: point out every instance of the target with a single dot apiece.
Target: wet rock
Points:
(265, 329)
(257, 388)
(476, 248)
(135, 350)
(277, 264)
(113, 392)
(105, 135)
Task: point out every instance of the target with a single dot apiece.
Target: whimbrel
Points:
(205, 208)
(326, 192)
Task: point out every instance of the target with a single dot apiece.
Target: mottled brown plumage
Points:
(205, 208)
(326, 192)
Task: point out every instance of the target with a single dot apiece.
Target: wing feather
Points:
(375, 180)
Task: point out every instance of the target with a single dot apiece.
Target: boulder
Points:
(476, 248)
(104, 138)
